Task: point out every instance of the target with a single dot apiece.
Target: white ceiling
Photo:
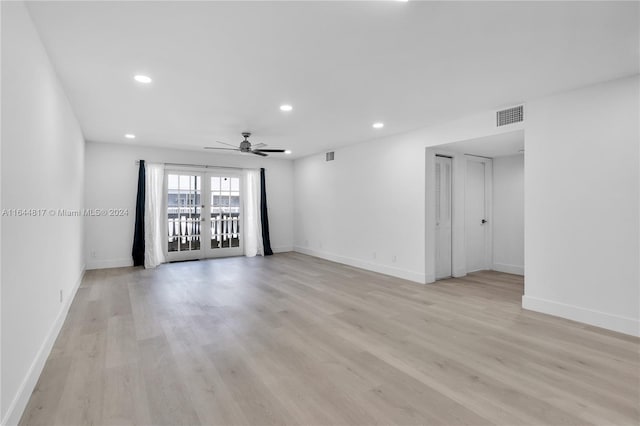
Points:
(500, 145)
(220, 68)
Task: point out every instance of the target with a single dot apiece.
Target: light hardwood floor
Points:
(292, 339)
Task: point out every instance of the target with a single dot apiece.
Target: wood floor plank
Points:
(45, 398)
(81, 399)
(125, 398)
(292, 339)
(169, 403)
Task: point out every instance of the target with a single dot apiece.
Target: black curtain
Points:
(138, 234)
(266, 242)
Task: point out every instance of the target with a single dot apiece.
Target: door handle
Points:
(483, 221)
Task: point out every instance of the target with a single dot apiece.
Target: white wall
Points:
(581, 205)
(508, 214)
(111, 182)
(367, 207)
(42, 168)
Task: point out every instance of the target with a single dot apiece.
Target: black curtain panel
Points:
(138, 234)
(266, 243)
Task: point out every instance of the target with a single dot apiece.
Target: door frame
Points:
(205, 252)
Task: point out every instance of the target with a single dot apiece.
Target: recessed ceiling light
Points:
(286, 107)
(142, 79)
(378, 125)
(288, 152)
(130, 136)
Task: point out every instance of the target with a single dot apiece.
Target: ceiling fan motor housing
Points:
(245, 145)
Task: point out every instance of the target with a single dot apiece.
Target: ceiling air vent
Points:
(329, 156)
(510, 116)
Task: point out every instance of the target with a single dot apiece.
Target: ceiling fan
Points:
(245, 146)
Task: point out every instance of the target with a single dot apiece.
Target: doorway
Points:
(486, 183)
(203, 214)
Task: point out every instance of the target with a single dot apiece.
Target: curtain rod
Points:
(205, 166)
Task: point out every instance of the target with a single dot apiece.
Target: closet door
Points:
(443, 216)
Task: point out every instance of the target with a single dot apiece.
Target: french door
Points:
(204, 214)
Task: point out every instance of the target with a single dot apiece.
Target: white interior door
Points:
(476, 215)
(443, 216)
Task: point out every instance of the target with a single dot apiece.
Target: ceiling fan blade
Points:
(259, 145)
(258, 153)
(270, 150)
(224, 143)
(225, 149)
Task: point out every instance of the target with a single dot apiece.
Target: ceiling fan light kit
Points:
(245, 146)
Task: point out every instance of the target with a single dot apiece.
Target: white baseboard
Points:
(19, 403)
(431, 278)
(588, 316)
(109, 263)
(509, 269)
(358, 263)
(121, 263)
(458, 273)
(282, 249)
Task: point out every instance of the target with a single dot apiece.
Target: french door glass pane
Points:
(183, 212)
(225, 211)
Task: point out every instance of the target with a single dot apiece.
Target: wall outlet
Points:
(374, 255)
(60, 295)
(394, 258)
(320, 243)
(92, 254)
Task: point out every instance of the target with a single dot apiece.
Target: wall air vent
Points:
(330, 156)
(510, 116)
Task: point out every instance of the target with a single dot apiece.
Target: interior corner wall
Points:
(42, 168)
(367, 207)
(582, 205)
(111, 182)
(508, 214)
